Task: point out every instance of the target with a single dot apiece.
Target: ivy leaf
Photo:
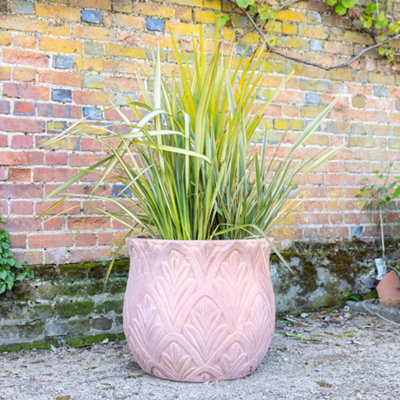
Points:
(382, 37)
(394, 28)
(371, 8)
(348, 3)
(366, 21)
(3, 287)
(222, 20)
(244, 3)
(331, 3)
(340, 9)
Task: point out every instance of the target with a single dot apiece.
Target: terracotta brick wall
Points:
(61, 60)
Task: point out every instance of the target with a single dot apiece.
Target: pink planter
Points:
(199, 311)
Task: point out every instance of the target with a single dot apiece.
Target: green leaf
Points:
(396, 193)
(340, 9)
(371, 8)
(366, 21)
(222, 20)
(348, 3)
(394, 28)
(331, 3)
(244, 3)
(382, 37)
(3, 287)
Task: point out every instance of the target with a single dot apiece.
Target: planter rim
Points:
(199, 241)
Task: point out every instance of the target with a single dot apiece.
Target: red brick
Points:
(120, 83)
(22, 142)
(90, 145)
(22, 224)
(21, 158)
(21, 125)
(25, 57)
(21, 207)
(54, 223)
(110, 238)
(24, 74)
(91, 97)
(19, 175)
(56, 158)
(21, 191)
(24, 108)
(3, 207)
(84, 160)
(85, 239)
(26, 91)
(82, 255)
(50, 240)
(90, 223)
(53, 174)
(71, 206)
(18, 241)
(27, 41)
(60, 78)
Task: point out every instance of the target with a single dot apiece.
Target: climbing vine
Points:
(376, 19)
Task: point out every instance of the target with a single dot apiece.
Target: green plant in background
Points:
(191, 162)
(382, 197)
(11, 270)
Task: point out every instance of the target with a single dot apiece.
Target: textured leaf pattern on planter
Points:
(199, 310)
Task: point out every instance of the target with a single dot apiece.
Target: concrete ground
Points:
(336, 355)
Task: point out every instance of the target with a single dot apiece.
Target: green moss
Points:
(108, 306)
(89, 340)
(46, 345)
(65, 310)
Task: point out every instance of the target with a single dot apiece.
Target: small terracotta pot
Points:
(388, 292)
(199, 311)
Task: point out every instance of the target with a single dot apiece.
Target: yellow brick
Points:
(271, 81)
(289, 29)
(296, 124)
(55, 126)
(99, 4)
(128, 21)
(356, 37)
(281, 124)
(214, 4)
(336, 193)
(153, 10)
(61, 45)
(5, 73)
(205, 17)
(59, 12)
(292, 43)
(340, 74)
(361, 141)
(5, 38)
(22, 24)
(59, 30)
(89, 64)
(290, 15)
(373, 77)
(314, 33)
(128, 67)
(310, 112)
(93, 32)
(394, 143)
(267, 66)
(188, 3)
(274, 26)
(180, 28)
(122, 51)
(228, 34)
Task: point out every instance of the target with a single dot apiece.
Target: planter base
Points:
(198, 311)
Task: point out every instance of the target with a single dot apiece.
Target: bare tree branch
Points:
(272, 50)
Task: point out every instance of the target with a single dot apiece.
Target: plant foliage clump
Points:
(11, 270)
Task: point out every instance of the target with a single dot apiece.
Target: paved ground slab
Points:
(336, 355)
